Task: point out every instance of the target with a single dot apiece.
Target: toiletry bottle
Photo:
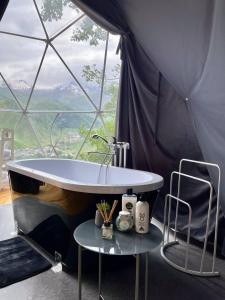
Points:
(129, 201)
(142, 216)
(124, 222)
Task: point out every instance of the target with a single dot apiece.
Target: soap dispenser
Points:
(129, 201)
(142, 216)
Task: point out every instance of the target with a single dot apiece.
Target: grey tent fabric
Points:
(3, 5)
(174, 37)
(185, 39)
(207, 98)
(175, 34)
(156, 122)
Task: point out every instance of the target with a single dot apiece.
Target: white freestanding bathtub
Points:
(87, 177)
(51, 197)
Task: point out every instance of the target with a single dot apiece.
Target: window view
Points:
(59, 79)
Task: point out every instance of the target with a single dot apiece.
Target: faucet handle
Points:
(112, 140)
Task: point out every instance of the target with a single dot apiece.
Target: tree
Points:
(91, 73)
(88, 31)
(53, 9)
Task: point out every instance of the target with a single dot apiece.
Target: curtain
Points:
(3, 5)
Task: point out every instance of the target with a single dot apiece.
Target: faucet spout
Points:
(112, 148)
(97, 136)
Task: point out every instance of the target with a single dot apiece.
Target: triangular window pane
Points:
(42, 124)
(57, 14)
(56, 89)
(70, 131)
(83, 48)
(21, 17)
(26, 143)
(19, 61)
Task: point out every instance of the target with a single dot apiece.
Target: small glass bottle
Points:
(107, 231)
(124, 221)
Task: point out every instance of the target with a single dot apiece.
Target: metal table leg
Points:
(137, 277)
(100, 276)
(79, 272)
(146, 276)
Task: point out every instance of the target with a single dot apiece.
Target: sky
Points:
(20, 57)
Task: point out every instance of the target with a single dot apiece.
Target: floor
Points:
(164, 283)
(5, 195)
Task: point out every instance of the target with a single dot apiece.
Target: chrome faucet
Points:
(111, 148)
(114, 148)
(97, 136)
(109, 143)
(110, 153)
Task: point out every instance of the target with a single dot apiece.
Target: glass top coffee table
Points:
(88, 236)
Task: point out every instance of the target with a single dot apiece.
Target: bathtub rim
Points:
(77, 186)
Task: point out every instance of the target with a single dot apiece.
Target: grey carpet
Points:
(19, 261)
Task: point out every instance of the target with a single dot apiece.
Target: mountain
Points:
(69, 87)
(68, 96)
(19, 85)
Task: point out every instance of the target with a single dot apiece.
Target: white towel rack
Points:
(170, 241)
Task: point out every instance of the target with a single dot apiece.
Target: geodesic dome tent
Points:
(171, 102)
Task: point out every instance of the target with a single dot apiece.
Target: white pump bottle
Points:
(129, 201)
(142, 216)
